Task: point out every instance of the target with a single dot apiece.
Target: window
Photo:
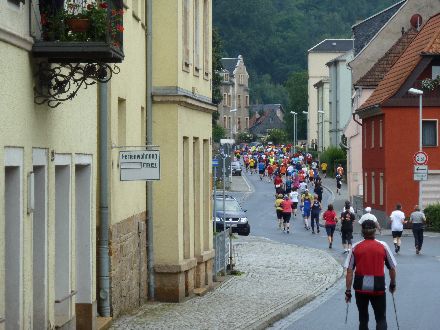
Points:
(239, 101)
(229, 99)
(247, 122)
(225, 123)
(239, 123)
(206, 39)
(373, 190)
(196, 50)
(429, 133)
(229, 122)
(381, 189)
(366, 188)
(122, 107)
(380, 133)
(185, 35)
(435, 71)
(372, 134)
(365, 135)
(225, 99)
(247, 100)
(17, 2)
(241, 79)
(226, 77)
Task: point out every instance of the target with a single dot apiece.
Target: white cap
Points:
(368, 209)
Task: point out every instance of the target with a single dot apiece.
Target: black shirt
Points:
(347, 219)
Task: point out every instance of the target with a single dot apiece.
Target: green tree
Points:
(217, 54)
(277, 136)
(298, 102)
(218, 133)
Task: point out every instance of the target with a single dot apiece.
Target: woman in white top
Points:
(397, 219)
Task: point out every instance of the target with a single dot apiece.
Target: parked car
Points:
(235, 216)
(236, 168)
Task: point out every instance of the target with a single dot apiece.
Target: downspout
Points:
(354, 118)
(103, 234)
(149, 125)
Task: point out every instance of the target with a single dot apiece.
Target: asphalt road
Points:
(418, 289)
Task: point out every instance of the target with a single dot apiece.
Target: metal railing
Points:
(221, 247)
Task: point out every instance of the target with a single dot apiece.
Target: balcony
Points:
(75, 41)
(78, 31)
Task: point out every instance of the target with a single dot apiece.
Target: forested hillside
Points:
(274, 35)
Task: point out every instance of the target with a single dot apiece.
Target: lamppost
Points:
(307, 139)
(294, 131)
(419, 92)
(321, 112)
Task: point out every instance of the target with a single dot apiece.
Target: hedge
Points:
(432, 213)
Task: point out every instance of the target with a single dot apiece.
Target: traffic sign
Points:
(420, 158)
(215, 162)
(420, 169)
(420, 176)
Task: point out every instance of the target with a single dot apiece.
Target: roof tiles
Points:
(425, 41)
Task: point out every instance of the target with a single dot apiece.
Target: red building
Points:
(390, 123)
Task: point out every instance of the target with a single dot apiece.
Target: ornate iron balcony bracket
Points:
(59, 82)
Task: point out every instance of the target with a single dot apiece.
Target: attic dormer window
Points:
(435, 71)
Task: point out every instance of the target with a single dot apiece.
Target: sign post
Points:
(420, 167)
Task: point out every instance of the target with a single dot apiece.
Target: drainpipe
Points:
(103, 234)
(149, 125)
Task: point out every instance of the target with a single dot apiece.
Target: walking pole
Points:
(395, 312)
(346, 314)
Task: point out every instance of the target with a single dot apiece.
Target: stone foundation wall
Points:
(128, 272)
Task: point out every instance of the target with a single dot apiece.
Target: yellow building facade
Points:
(182, 112)
(48, 173)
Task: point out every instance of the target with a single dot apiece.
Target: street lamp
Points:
(322, 129)
(294, 131)
(307, 139)
(419, 92)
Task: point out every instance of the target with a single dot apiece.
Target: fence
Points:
(221, 246)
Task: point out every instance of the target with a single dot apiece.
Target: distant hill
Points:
(274, 35)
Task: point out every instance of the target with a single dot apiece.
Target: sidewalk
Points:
(275, 281)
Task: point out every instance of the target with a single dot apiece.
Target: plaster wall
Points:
(317, 70)
(69, 129)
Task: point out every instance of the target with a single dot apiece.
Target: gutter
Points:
(149, 126)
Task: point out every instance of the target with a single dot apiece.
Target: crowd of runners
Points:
(297, 180)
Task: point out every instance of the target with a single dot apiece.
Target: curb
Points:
(332, 194)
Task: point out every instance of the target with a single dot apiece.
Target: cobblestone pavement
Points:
(277, 278)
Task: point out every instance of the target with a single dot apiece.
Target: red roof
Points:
(378, 71)
(427, 41)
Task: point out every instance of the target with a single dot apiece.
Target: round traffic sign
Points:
(420, 158)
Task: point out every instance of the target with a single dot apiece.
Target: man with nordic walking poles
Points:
(367, 260)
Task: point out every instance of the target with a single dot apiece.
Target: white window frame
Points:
(436, 135)
(381, 192)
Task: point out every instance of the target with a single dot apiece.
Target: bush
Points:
(432, 213)
(218, 133)
(333, 156)
(277, 136)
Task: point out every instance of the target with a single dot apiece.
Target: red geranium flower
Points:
(103, 5)
(120, 28)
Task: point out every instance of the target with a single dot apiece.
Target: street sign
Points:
(215, 162)
(420, 176)
(139, 165)
(420, 158)
(420, 169)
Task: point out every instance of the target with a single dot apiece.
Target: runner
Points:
(316, 210)
(287, 213)
(251, 164)
(294, 199)
(340, 170)
(269, 173)
(324, 169)
(369, 216)
(338, 183)
(319, 191)
(347, 219)
(279, 210)
(397, 219)
(278, 183)
(307, 201)
(261, 168)
(367, 260)
(418, 220)
(330, 219)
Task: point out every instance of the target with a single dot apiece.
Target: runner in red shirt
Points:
(330, 219)
(367, 260)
